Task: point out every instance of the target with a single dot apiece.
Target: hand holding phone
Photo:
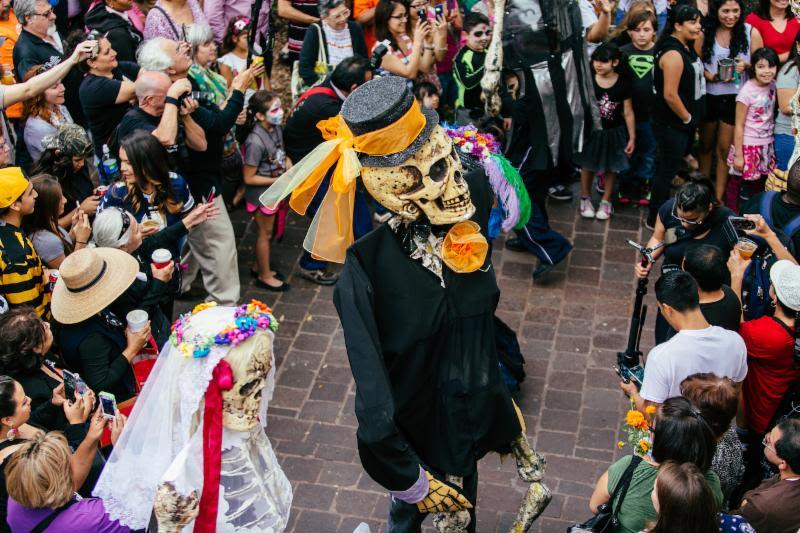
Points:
(69, 386)
(742, 223)
(108, 405)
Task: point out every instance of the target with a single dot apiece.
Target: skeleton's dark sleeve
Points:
(385, 453)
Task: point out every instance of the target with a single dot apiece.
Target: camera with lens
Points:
(94, 35)
(377, 54)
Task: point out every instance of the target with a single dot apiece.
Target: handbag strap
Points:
(322, 54)
(166, 16)
(44, 524)
(622, 486)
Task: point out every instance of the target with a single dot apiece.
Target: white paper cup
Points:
(137, 319)
(161, 257)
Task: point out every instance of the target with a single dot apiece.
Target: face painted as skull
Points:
(250, 362)
(428, 183)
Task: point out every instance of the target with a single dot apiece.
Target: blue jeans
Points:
(643, 159)
(537, 236)
(784, 146)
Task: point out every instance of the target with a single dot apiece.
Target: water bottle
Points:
(110, 166)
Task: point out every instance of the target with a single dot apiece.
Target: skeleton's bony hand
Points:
(173, 510)
(442, 498)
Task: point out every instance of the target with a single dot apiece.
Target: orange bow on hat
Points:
(331, 230)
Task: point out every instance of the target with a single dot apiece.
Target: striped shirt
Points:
(297, 31)
(22, 276)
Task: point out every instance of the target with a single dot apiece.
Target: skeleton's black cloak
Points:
(428, 386)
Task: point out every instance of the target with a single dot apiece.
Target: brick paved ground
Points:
(570, 326)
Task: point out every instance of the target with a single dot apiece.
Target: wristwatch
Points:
(171, 100)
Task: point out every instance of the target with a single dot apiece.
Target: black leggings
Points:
(671, 147)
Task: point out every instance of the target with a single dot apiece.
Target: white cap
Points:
(785, 277)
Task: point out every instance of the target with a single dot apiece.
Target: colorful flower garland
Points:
(504, 179)
(247, 319)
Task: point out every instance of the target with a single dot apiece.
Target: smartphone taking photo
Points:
(108, 405)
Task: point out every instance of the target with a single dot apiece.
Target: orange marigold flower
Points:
(644, 445)
(635, 419)
(650, 409)
(620, 444)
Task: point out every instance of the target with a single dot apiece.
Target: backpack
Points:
(755, 285)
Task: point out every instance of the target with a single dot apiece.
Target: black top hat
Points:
(379, 103)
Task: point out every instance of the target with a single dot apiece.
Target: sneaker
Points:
(559, 192)
(515, 245)
(604, 210)
(645, 198)
(600, 184)
(587, 210)
(320, 277)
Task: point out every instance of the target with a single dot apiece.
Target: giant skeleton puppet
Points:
(194, 456)
(416, 299)
(542, 42)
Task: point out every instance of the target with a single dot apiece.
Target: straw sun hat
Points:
(89, 280)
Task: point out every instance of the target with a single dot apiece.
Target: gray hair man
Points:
(160, 110)
(212, 245)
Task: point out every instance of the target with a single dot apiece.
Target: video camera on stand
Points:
(629, 363)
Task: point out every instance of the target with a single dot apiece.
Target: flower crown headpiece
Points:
(247, 319)
(504, 179)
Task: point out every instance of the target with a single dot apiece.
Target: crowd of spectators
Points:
(132, 129)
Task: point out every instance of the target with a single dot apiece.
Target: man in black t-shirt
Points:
(158, 111)
(718, 302)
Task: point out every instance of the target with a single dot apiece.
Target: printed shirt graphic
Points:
(760, 122)
(641, 63)
(610, 102)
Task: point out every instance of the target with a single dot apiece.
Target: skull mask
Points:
(428, 183)
(250, 362)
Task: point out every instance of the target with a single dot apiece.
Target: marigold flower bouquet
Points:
(638, 430)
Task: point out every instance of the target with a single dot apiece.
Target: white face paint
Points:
(275, 113)
(428, 183)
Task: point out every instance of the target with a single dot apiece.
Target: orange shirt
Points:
(10, 29)
(359, 6)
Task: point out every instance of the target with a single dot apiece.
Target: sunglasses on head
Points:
(126, 222)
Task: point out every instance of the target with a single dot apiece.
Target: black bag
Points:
(605, 521)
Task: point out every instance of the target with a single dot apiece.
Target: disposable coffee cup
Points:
(161, 257)
(725, 68)
(137, 319)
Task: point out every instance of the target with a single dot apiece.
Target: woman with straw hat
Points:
(93, 338)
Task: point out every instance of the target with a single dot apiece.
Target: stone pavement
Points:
(570, 326)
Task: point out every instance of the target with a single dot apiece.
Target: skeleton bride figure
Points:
(194, 455)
